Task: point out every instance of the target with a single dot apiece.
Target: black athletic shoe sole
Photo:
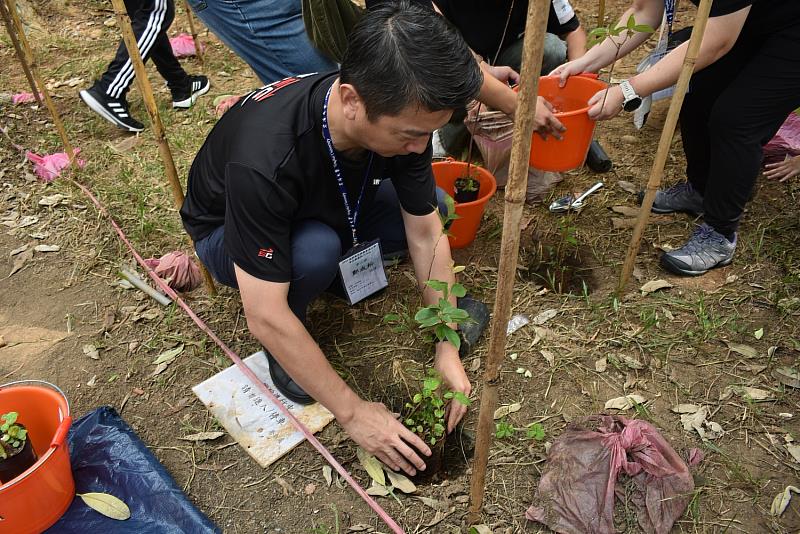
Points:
(281, 379)
(674, 267)
(98, 108)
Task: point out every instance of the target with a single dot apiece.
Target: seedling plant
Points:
(12, 435)
(426, 411)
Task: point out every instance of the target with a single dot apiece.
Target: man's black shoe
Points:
(288, 387)
(185, 97)
(114, 110)
(471, 331)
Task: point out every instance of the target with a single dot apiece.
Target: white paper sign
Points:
(251, 418)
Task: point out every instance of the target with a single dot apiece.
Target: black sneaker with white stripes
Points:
(114, 110)
(185, 98)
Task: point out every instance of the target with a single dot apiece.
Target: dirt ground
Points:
(698, 341)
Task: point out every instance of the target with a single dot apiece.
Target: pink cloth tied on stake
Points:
(49, 166)
(178, 271)
(24, 98)
(183, 45)
(786, 142)
(577, 490)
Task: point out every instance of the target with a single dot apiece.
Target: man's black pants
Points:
(150, 20)
(734, 107)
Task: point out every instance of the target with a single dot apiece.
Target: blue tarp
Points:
(107, 456)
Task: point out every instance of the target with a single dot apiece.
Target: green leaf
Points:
(437, 285)
(643, 28)
(441, 331)
(22, 434)
(461, 398)
(417, 398)
(459, 315)
(453, 337)
(535, 431)
(391, 318)
(458, 268)
(10, 418)
(410, 422)
(448, 395)
(106, 504)
(458, 290)
(372, 465)
(431, 383)
(438, 429)
(429, 322)
(616, 31)
(438, 413)
(631, 22)
(425, 313)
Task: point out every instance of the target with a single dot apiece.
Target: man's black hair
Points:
(402, 54)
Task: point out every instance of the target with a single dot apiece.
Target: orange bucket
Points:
(463, 229)
(37, 498)
(571, 103)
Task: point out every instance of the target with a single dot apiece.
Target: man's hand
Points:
(544, 122)
(504, 74)
(379, 433)
(448, 364)
(783, 170)
(600, 110)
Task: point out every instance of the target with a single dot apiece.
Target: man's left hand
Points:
(599, 110)
(448, 364)
(504, 74)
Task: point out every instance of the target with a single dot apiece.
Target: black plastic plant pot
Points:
(17, 463)
(466, 190)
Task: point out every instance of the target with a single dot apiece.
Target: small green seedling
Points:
(426, 412)
(435, 320)
(504, 429)
(535, 431)
(12, 436)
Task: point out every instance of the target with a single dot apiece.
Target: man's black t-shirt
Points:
(265, 166)
(481, 22)
(765, 17)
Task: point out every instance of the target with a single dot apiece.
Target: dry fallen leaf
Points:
(794, 450)
(628, 211)
(628, 186)
(601, 365)
(401, 482)
(20, 260)
(781, 501)
(549, 356)
(685, 408)
(106, 504)
(16, 251)
(653, 286)
(203, 436)
(327, 472)
(441, 506)
(503, 411)
(745, 350)
(287, 488)
(169, 356)
(46, 248)
(310, 488)
(748, 393)
(373, 467)
(624, 403)
(377, 490)
(91, 351)
(475, 365)
(51, 200)
(543, 317)
(788, 376)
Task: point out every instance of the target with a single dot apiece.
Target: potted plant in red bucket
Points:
(16, 452)
(425, 416)
(468, 214)
(466, 189)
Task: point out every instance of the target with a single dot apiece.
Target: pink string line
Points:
(245, 370)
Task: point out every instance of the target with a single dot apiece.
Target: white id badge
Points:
(361, 269)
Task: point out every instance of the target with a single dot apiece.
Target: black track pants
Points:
(150, 20)
(734, 107)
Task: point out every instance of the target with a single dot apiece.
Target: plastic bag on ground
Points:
(492, 132)
(107, 456)
(49, 166)
(540, 183)
(577, 490)
(178, 271)
(786, 141)
(183, 46)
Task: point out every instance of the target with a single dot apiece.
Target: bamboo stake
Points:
(601, 13)
(666, 140)
(146, 89)
(29, 61)
(533, 46)
(197, 45)
(20, 54)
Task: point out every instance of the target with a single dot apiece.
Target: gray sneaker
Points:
(705, 250)
(680, 197)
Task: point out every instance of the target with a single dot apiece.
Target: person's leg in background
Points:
(185, 88)
(554, 54)
(269, 35)
(742, 119)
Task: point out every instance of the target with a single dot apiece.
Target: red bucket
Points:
(463, 229)
(572, 107)
(38, 497)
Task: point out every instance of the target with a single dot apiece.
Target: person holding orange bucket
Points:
(746, 82)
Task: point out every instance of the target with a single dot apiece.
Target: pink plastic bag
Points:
(786, 141)
(24, 98)
(577, 490)
(177, 269)
(183, 45)
(49, 166)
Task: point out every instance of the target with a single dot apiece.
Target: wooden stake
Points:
(146, 90)
(18, 49)
(601, 13)
(29, 62)
(197, 45)
(666, 140)
(533, 45)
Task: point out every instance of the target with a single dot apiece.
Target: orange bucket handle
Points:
(61, 434)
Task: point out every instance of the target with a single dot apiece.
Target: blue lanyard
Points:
(352, 214)
(669, 6)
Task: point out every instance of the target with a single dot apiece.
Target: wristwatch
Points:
(632, 100)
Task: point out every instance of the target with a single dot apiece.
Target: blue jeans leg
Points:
(316, 250)
(268, 35)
